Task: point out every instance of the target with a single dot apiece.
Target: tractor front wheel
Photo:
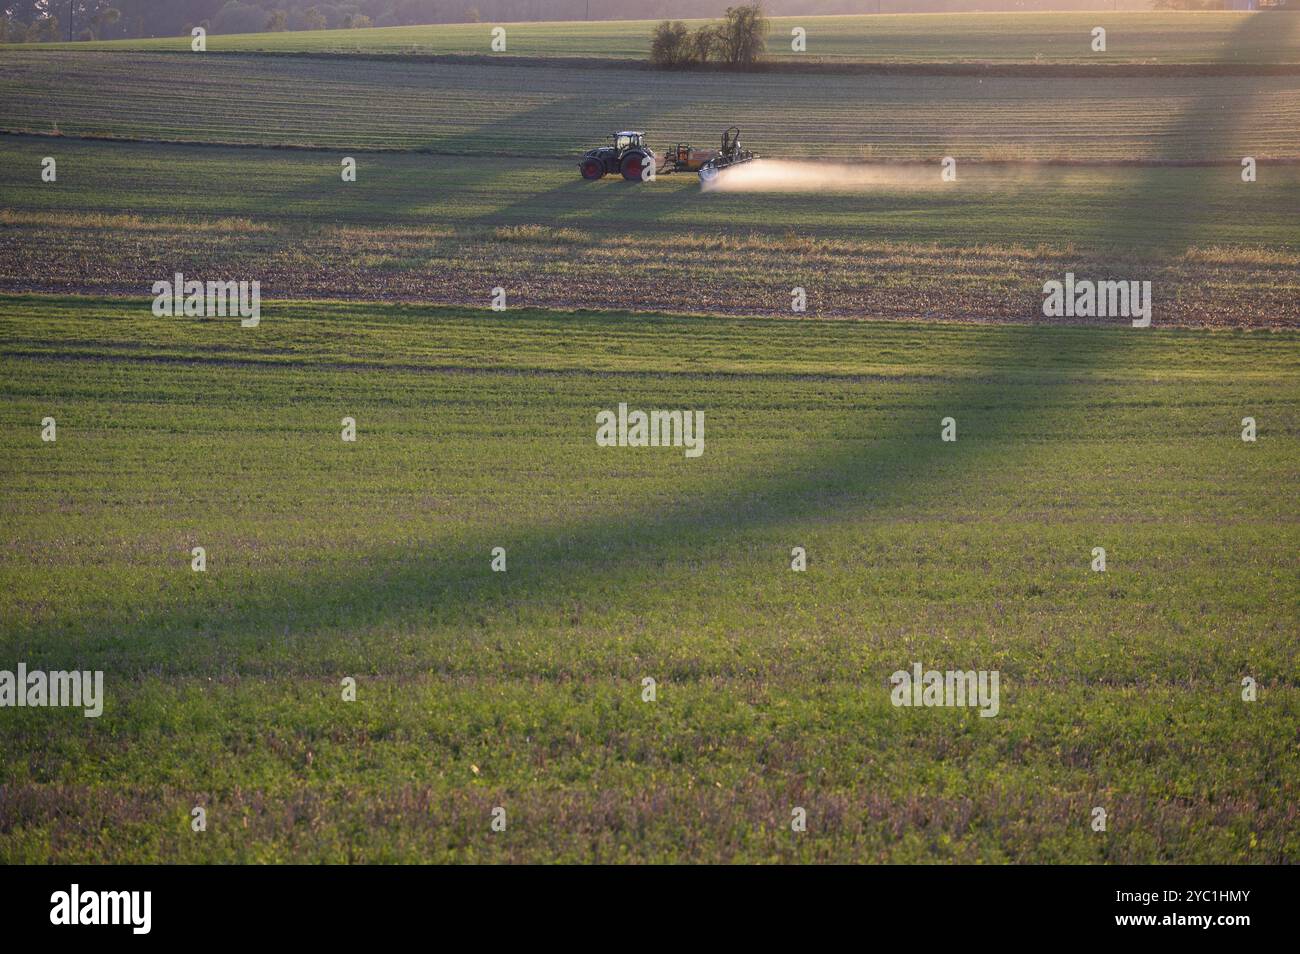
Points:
(592, 169)
(631, 166)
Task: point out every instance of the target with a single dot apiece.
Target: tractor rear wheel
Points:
(631, 166)
(592, 169)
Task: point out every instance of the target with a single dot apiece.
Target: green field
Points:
(490, 197)
(476, 429)
(449, 229)
(550, 114)
(522, 689)
(903, 38)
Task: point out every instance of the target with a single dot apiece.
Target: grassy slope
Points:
(556, 113)
(908, 38)
(449, 229)
(522, 690)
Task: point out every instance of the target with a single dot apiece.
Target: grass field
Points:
(490, 197)
(547, 114)
(450, 229)
(479, 689)
(903, 38)
(476, 429)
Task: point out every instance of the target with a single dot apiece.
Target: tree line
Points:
(738, 40)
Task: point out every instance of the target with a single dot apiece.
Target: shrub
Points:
(670, 45)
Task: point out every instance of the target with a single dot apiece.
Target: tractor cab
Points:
(624, 141)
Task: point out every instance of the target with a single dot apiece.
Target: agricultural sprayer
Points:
(629, 156)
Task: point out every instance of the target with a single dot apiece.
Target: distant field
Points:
(448, 229)
(523, 689)
(549, 114)
(903, 38)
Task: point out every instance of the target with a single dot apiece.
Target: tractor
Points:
(629, 156)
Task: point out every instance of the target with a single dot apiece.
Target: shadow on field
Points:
(520, 126)
(403, 188)
(888, 470)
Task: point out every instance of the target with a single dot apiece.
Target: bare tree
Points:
(704, 43)
(670, 45)
(742, 37)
